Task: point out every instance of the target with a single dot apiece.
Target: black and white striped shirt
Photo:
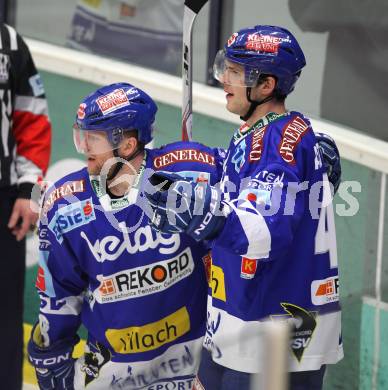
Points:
(25, 128)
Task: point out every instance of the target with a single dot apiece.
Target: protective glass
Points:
(94, 141)
(233, 73)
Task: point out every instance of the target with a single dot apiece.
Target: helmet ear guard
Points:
(116, 136)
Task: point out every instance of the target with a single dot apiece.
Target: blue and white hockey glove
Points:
(54, 365)
(331, 158)
(183, 206)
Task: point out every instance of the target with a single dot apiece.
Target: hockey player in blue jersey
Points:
(140, 294)
(271, 222)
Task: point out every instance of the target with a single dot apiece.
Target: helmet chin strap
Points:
(119, 164)
(254, 104)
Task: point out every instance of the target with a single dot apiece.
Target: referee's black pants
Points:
(12, 272)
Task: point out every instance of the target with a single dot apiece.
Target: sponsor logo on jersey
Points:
(173, 383)
(176, 156)
(259, 196)
(70, 305)
(110, 248)
(238, 158)
(4, 67)
(44, 243)
(248, 268)
(119, 203)
(97, 187)
(44, 281)
(232, 39)
(325, 291)
(178, 362)
(212, 326)
(113, 204)
(263, 178)
(244, 130)
(257, 145)
(151, 336)
(303, 324)
(66, 189)
(145, 280)
(195, 176)
(72, 216)
(292, 135)
(265, 43)
(112, 101)
(217, 283)
(176, 382)
(40, 282)
(207, 262)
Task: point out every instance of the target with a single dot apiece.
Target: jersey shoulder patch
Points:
(291, 135)
(71, 184)
(256, 149)
(188, 153)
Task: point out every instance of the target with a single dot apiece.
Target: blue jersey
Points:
(276, 257)
(141, 294)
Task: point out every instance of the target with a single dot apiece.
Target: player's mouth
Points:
(228, 95)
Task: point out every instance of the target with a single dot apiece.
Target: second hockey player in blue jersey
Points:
(271, 223)
(140, 294)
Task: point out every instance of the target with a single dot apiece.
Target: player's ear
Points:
(268, 85)
(128, 145)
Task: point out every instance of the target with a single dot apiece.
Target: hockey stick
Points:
(192, 7)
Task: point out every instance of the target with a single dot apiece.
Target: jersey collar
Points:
(244, 130)
(111, 204)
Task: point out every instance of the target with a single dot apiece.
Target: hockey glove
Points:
(54, 365)
(331, 159)
(182, 206)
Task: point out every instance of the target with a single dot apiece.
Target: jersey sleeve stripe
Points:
(12, 37)
(33, 144)
(37, 106)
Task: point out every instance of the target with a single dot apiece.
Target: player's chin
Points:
(229, 105)
(93, 167)
(232, 107)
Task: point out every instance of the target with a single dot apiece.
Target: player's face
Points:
(91, 141)
(97, 149)
(236, 99)
(96, 146)
(96, 162)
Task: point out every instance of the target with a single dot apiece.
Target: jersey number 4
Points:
(325, 239)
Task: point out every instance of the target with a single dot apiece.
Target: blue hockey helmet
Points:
(268, 50)
(114, 109)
